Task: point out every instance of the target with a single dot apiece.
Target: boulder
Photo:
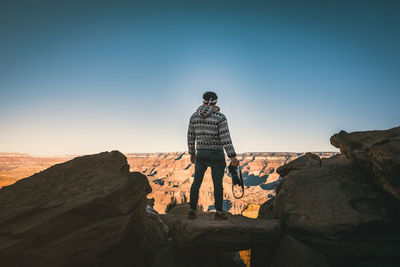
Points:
(377, 153)
(266, 210)
(235, 233)
(307, 161)
(336, 212)
(89, 211)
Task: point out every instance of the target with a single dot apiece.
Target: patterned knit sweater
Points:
(208, 129)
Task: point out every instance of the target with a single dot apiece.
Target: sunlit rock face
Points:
(171, 175)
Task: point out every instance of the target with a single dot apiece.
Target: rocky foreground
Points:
(92, 211)
(339, 211)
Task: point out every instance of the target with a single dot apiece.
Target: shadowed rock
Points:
(330, 209)
(306, 161)
(235, 233)
(89, 211)
(300, 254)
(377, 153)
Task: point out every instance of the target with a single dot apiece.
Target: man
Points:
(208, 133)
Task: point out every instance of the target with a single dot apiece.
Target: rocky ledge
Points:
(89, 211)
(376, 153)
(340, 211)
(235, 233)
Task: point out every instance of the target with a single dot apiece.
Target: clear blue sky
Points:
(81, 77)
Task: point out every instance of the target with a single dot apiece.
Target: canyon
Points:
(171, 175)
(96, 210)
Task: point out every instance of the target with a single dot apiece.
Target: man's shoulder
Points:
(193, 117)
(220, 115)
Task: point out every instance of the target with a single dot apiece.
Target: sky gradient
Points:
(80, 77)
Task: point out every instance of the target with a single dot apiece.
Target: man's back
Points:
(208, 128)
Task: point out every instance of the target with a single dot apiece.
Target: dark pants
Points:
(216, 160)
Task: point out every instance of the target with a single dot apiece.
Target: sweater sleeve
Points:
(191, 136)
(225, 137)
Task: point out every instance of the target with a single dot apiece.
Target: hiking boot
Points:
(192, 215)
(221, 215)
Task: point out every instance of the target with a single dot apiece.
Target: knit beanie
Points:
(210, 98)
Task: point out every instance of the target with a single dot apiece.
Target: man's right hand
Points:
(234, 162)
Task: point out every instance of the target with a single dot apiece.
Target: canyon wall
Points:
(171, 174)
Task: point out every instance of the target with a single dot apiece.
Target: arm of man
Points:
(191, 140)
(226, 141)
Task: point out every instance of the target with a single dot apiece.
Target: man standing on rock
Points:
(208, 130)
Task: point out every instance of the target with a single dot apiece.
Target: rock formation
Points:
(171, 174)
(90, 211)
(377, 153)
(235, 233)
(332, 213)
(206, 242)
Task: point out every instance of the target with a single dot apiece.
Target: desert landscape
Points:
(171, 174)
(104, 104)
(317, 209)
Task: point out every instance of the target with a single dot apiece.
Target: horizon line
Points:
(164, 152)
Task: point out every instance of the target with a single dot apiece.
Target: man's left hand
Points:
(193, 158)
